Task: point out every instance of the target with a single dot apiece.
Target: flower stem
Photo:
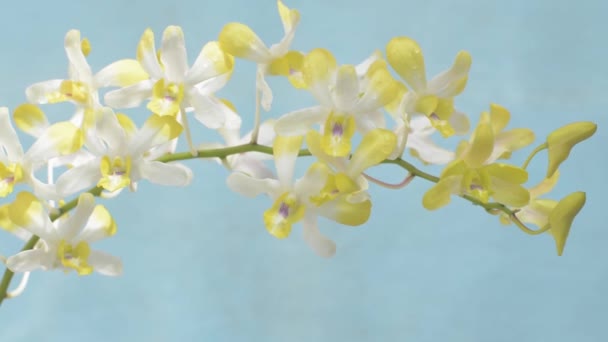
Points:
(254, 147)
(535, 152)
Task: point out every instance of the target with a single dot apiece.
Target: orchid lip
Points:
(284, 210)
(337, 130)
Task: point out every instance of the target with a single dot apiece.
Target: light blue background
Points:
(199, 265)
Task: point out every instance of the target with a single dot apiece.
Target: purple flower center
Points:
(434, 116)
(284, 210)
(476, 187)
(337, 129)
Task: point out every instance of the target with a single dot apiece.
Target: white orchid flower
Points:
(81, 87)
(65, 243)
(120, 156)
(296, 201)
(348, 102)
(241, 41)
(173, 86)
(18, 167)
(435, 98)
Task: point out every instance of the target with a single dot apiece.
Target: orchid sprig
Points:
(344, 136)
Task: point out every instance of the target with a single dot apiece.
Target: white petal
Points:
(264, 89)
(208, 110)
(78, 62)
(79, 178)
(110, 130)
(105, 264)
(251, 187)
(164, 173)
(43, 190)
(346, 90)
(300, 121)
(131, 96)
(212, 85)
(210, 63)
(39, 92)
(362, 67)
(323, 246)
(369, 121)
(9, 141)
(99, 225)
(121, 73)
(77, 219)
(460, 123)
(30, 260)
(427, 150)
(250, 165)
(173, 54)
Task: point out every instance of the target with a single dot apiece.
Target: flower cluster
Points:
(367, 114)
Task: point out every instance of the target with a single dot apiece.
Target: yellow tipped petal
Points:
(375, 147)
(126, 123)
(393, 106)
(289, 17)
(30, 119)
(481, 146)
(319, 64)
(499, 117)
(383, 88)
(240, 41)
(563, 139)
(65, 137)
(289, 65)
(405, 56)
(168, 126)
(561, 218)
(439, 195)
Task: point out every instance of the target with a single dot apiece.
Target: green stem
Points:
(534, 153)
(253, 147)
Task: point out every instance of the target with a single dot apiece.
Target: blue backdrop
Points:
(199, 265)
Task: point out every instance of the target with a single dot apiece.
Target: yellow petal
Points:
(319, 65)
(405, 56)
(562, 216)
(481, 146)
(439, 195)
(499, 117)
(240, 41)
(289, 17)
(30, 119)
(506, 172)
(375, 147)
(563, 139)
(545, 185)
(511, 194)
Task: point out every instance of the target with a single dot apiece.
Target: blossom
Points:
(81, 87)
(241, 41)
(475, 173)
(65, 243)
(348, 101)
(173, 86)
(561, 141)
(120, 156)
(18, 167)
(435, 98)
(293, 202)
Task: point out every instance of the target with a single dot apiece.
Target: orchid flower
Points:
(348, 102)
(435, 98)
(174, 86)
(293, 201)
(121, 157)
(81, 86)
(241, 41)
(65, 243)
(475, 171)
(18, 167)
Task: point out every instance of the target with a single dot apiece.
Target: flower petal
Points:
(122, 73)
(29, 260)
(43, 92)
(240, 41)
(346, 91)
(375, 147)
(76, 57)
(156, 131)
(210, 111)
(323, 246)
(285, 152)
(345, 212)
(60, 139)
(130, 96)
(508, 193)
(99, 225)
(78, 218)
(164, 173)
(105, 264)
(146, 55)
(452, 81)
(405, 56)
(212, 61)
(264, 89)
(317, 70)
(300, 121)
(173, 54)
(544, 186)
(30, 119)
(251, 187)
(481, 146)
(440, 194)
(28, 213)
(79, 178)
(9, 141)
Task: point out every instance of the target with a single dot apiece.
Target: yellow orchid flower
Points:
(561, 141)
